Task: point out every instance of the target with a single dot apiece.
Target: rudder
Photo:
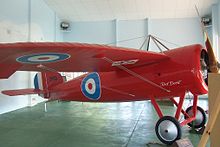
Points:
(47, 80)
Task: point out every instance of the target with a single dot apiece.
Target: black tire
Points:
(175, 131)
(200, 113)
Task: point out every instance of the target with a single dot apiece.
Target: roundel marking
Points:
(91, 86)
(42, 58)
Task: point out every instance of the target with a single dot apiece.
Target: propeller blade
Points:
(213, 63)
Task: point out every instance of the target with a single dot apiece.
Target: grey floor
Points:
(75, 124)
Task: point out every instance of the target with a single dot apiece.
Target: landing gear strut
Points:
(168, 128)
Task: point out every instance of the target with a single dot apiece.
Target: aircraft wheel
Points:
(200, 117)
(168, 130)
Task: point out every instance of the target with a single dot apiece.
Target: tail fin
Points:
(47, 80)
(44, 81)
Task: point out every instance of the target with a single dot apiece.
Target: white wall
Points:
(45, 25)
(108, 32)
(216, 28)
(181, 32)
(102, 32)
(13, 24)
(25, 20)
(137, 30)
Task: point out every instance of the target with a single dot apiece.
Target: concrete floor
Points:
(74, 124)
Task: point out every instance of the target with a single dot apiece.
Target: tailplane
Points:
(43, 83)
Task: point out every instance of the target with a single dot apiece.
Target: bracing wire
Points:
(145, 40)
(130, 39)
(167, 41)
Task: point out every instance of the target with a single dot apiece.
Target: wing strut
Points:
(118, 91)
(46, 68)
(136, 75)
(156, 42)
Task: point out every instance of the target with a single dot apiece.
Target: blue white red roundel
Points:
(91, 86)
(42, 58)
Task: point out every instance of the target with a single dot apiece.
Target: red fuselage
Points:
(178, 74)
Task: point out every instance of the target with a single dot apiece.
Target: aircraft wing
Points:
(70, 57)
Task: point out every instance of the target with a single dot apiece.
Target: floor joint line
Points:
(135, 126)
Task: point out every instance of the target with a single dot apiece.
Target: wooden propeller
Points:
(213, 65)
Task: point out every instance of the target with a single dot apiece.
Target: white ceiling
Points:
(94, 10)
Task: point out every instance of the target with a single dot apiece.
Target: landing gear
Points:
(168, 130)
(200, 119)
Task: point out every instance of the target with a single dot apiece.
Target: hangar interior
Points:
(23, 121)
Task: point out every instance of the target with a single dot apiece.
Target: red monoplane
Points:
(116, 74)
